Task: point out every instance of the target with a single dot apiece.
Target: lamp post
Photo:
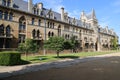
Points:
(45, 33)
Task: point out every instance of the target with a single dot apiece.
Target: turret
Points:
(82, 16)
(93, 14)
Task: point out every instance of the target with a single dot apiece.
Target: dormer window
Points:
(4, 2)
(34, 11)
(37, 11)
(8, 3)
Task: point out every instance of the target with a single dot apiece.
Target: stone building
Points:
(20, 20)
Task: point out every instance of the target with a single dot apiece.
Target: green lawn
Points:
(52, 57)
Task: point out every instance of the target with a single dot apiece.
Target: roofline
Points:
(43, 17)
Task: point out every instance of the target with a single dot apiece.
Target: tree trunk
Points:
(26, 54)
(57, 54)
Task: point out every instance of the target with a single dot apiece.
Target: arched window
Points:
(2, 30)
(59, 30)
(33, 21)
(49, 34)
(11, 16)
(87, 45)
(38, 33)
(66, 36)
(6, 15)
(48, 24)
(92, 45)
(34, 33)
(8, 31)
(22, 38)
(52, 34)
(85, 39)
(39, 22)
(1, 14)
(53, 25)
(22, 24)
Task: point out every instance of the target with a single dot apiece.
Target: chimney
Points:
(40, 6)
(30, 5)
(62, 14)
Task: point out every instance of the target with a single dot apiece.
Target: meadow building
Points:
(20, 20)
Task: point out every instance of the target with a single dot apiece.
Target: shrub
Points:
(8, 58)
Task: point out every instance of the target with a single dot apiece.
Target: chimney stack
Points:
(62, 14)
(30, 5)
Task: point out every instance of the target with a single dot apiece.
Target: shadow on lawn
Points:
(42, 58)
(71, 57)
(23, 62)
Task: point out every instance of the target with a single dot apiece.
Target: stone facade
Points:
(20, 20)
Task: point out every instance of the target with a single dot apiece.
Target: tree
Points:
(28, 47)
(67, 44)
(75, 43)
(114, 42)
(55, 43)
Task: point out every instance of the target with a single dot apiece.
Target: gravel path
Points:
(78, 69)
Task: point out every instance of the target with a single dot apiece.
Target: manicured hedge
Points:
(9, 58)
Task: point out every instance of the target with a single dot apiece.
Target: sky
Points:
(107, 11)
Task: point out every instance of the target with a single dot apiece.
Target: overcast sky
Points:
(107, 11)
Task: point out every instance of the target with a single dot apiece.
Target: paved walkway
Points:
(17, 70)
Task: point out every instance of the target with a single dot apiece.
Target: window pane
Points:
(6, 15)
(33, 21)
(1, 30)
(8, 31)
(1, 14)
(39, 23)
(11, 17)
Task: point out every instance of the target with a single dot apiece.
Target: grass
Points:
(52, 57)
